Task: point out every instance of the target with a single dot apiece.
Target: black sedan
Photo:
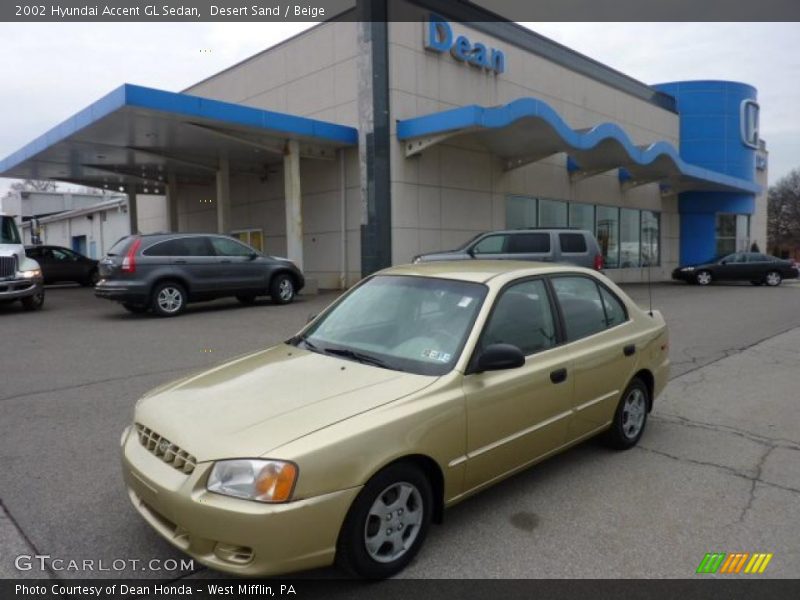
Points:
(755, 267)
(62, 264)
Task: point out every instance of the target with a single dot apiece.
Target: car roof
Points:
(481, 271)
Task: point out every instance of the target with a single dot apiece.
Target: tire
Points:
(369, 519)
(92, 279)
(281, 289)
(169, 299)
(136, 309)
(246, 300)
(703, 277)
(630, 418)
(34, 302)
(773, 279)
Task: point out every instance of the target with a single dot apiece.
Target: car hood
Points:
(253, 404)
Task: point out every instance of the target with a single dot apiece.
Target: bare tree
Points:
(783, 214)
(33, 185)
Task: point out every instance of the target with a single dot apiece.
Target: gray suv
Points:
(574, 246)
(165, 271)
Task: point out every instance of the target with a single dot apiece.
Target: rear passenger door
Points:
(602, 347)
(191, 258)
(534, 245)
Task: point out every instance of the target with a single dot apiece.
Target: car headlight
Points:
(687, 269)
(253, 479)
(30, 274)
(416, 260)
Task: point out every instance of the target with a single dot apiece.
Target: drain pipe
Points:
(343, 217)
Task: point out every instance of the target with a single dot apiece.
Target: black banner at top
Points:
(399, 10)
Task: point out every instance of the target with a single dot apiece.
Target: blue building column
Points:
(715, 118)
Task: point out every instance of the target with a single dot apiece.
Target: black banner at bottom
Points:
(439, 589)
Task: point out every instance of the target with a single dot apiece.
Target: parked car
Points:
(574, 246)
(755, 267)
(62, 264)
(419, 387)
(166, 271)
(20, 276)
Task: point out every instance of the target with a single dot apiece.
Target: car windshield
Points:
(413, 324)
(8, 231)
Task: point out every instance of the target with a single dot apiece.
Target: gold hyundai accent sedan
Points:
(419, 387)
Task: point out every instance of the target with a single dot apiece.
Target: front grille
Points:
(8, 266)
(165, 450)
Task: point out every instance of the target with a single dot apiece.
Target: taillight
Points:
(129, 262)
(598, 262)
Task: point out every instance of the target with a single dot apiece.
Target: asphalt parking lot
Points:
(717, 470)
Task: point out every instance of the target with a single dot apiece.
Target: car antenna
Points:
(649, 275)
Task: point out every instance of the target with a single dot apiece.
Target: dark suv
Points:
(165, 271)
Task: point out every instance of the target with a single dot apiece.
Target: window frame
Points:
(503, 249)
(144, 252)
(598, 284)
(472, 364)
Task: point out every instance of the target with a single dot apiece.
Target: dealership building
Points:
(357, 145)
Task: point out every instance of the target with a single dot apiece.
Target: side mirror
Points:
(498, 357)
(723, 262)
(252, 256)
(471, 252)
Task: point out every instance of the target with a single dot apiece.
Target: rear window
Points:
(529, 243)
(572, 243)
(120, 247)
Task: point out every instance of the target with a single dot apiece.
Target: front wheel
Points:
(773, 278)
(281, 288)
(169, 299)
(630, 418)
(34, 302)
(387, 523)
(703, 278)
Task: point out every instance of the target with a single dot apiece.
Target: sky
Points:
(50, 71)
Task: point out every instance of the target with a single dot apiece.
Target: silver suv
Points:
(574, 246)
(20, 276)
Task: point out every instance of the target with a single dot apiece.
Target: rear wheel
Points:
(169, 299)
(703, 278)
(246, 300)
(281, 288)
(134, 308)
(630, 418)
(387, 523)
(34, 302)
(773, 278)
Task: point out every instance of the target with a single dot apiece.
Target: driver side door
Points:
(517, 416)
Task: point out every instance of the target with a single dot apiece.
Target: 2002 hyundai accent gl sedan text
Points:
(419, 387)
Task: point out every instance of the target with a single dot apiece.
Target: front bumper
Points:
(681, 275)
(236, 536)
(12, 289)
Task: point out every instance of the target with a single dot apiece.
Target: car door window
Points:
(522, 317)
(61, 256)
(529, 243)
(227, 247)
(581, 306)
(492, 244)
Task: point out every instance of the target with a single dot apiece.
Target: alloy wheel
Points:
(773, 278)
(170, 299)
(286, 289)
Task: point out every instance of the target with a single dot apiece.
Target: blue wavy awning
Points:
(528, 129)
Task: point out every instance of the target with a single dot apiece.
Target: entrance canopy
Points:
(528, 130)
(132, 138)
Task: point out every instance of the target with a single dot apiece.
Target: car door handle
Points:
(558, 376)
(629, 350)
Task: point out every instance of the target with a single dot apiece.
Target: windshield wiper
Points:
(360, 357)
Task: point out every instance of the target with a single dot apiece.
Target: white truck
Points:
(20, 276)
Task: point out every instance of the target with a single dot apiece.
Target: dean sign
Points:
(439, 38)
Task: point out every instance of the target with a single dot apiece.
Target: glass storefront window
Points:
(651, 235)
(581, 216)
(552, 213)
(629, 247)
(520, 212)
(607, 234)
